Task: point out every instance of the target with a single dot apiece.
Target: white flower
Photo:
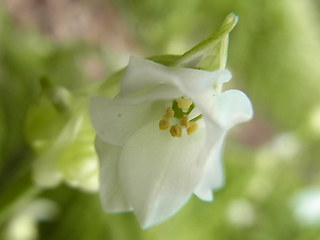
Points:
(144, 166)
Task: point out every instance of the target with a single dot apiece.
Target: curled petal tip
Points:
(232, 19)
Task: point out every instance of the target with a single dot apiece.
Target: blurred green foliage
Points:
(274, 57)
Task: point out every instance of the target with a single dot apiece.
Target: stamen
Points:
(176, 131)
(180, 110)
(185, 121)
(192, 128)
(184, 103)
(164, 124)
(169, 113)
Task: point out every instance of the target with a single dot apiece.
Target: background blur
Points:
(272, 163)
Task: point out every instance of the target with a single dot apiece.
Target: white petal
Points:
(207, 104)
(197, 81)
(213, 177)
(143, 74)
(116, 120)
(159, 92)
(233, 107)
(111, 192)
(205, 194)
(160, 172)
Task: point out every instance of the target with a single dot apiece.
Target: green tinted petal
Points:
(211, 54)
(77, 161)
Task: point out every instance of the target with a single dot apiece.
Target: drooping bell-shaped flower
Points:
(59, 131)
(160, 140)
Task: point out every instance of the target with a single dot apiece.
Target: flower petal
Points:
(206, 103)
(159, 92)
(77, 160)
(233, 107)
(143, 74)
(46, 172)
(213, 177)
(160, 172)
(111, 192)
(116, 120)
(197, 81)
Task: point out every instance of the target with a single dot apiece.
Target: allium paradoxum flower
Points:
(160, 140)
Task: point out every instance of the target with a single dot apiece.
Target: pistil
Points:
(184, 103)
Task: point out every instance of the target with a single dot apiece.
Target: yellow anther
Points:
(184, 121)
(184, 103)
(164, 124)
(192, 128)
(176, 131)
(169, 113)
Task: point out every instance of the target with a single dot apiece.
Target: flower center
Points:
(180, 109)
